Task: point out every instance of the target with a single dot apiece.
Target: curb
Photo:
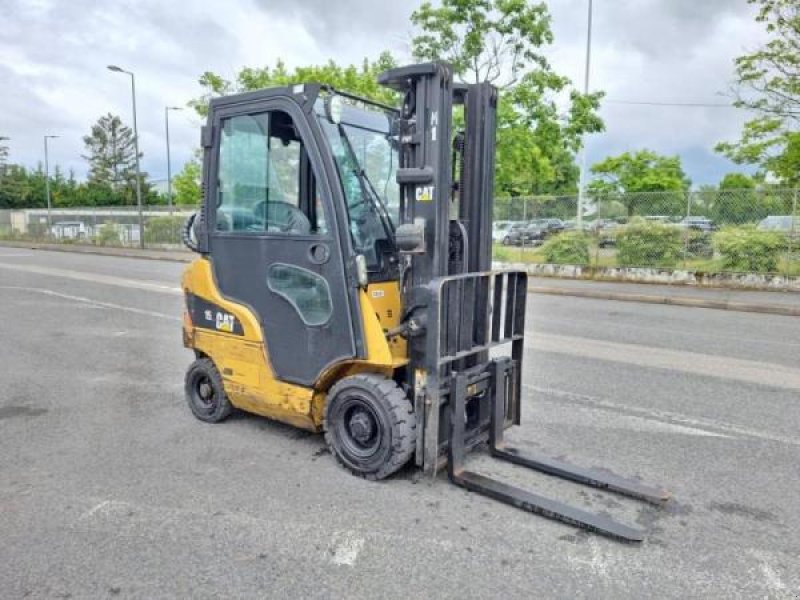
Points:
(686, 301)
(770, 309)
(104, 251)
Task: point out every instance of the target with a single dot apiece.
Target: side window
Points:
(306, 291)
(266, 183)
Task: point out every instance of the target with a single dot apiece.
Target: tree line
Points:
(538, 138)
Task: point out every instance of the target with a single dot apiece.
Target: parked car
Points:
(784, 223)
(555, 226)
(606, 232)
(500, 229)
(663, 219)
(703, 224)
(520, 234)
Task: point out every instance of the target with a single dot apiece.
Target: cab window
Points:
(266, 183)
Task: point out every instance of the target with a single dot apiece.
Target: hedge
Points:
(644, 244)
(571, 248)
(750, 250)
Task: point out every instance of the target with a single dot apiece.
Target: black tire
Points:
(205, 392)
(506, 241)
(370, 426)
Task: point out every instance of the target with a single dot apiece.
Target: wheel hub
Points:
(361, 426)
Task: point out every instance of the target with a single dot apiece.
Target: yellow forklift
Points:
(344, 282)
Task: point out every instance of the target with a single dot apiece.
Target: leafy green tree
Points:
(361, 80)
(632, 178)
(768, 84)
(15, 187)
(186, 184)
(111, 154)
(501, 41)
(737, 181)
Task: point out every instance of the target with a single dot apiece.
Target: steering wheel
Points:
(281, 216)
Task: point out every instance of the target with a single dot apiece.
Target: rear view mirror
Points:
(410, 237)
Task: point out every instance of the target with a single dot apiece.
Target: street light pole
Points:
(169, 165)
(47, 181)
(136, 148)
(582, 179)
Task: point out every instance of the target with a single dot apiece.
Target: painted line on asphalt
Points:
(724, 367)
(662, 416)
(346, 548)
(98, 303)
(748, 371)
(139, 284)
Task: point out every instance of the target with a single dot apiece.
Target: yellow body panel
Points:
(243, 360)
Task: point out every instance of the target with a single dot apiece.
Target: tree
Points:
(112, 159)
(500, 41)
(361, 80)
(768, 83)
(15, 188)
(187, 184)
(737, 181)
(632, 178)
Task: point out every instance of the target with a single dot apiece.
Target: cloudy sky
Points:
(53, 56)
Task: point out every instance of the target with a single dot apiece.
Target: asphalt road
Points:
(110, 488)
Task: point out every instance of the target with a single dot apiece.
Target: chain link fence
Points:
(100, 226)
(743, 231)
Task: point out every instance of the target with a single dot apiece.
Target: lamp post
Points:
(169, 165)
(117, 69)
(47, 180)
(582, 179)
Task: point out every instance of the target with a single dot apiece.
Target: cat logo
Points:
(424, 193)
(225, 322)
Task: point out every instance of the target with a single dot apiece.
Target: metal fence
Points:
(754, 231)
(101, 226)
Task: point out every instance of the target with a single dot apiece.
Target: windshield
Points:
(367, 161)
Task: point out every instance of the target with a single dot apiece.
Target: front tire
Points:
(370, 426)
(205, 392)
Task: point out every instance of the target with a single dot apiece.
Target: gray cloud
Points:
(53, 56)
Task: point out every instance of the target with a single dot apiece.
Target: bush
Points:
(749, 249)
(108, 235)
(571, 248)
(699, 244)
(163, 230)
(644, 244)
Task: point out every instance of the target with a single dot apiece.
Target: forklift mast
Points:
(459, 308)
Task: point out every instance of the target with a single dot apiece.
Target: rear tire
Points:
(370, 426)
(205, 392)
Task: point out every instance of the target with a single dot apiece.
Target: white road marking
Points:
(98, 303)
(664, 416)
(91, 512)
(346, 549)
(139, 284)
(15, 255)
(725, 367)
